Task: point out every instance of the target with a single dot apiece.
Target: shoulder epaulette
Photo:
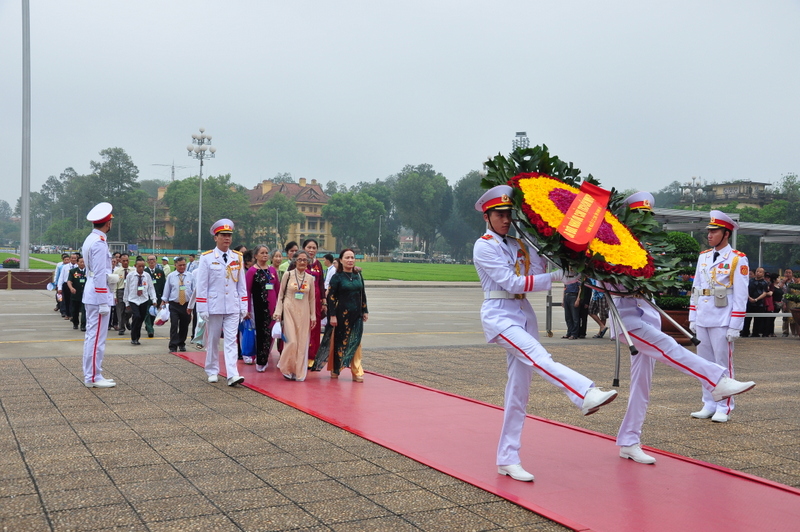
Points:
(706, 251)
(487, 237)
(738, 252)
(237, 252)
(207, 252)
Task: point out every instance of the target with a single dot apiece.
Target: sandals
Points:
(601, 333)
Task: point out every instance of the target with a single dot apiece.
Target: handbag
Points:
(248, 330)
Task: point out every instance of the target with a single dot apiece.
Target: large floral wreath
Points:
(628, 248)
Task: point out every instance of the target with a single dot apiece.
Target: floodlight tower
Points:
(201, 149)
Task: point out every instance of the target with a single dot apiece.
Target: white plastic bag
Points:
(162, 317)
(277, 331)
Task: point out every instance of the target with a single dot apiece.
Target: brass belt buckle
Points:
(519, 296)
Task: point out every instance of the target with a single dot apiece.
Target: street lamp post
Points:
(694, 186)
(201, 149)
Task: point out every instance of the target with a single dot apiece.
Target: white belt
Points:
(501, 294)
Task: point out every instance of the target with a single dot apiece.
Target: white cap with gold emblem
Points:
(498, 198)
(641, 201)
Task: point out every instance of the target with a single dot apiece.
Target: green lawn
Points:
(34, 263)
(384, 271)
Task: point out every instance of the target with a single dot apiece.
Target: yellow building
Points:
(310, 199)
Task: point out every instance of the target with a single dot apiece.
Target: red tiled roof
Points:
(301, 194)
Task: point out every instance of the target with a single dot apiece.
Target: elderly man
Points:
(177, 293)
(222, 300)
(508, 269)
(159, 278)
(97, 296)
(122, 270)
(718, 306)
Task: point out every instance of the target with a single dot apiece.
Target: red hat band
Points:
(221, 228)
(644, 204)
(502, 201)
(721, 223)
(104, 220)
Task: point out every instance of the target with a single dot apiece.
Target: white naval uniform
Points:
(712, 322)
(511, 323)
(96, 293)
(644, 326)
(221, 292)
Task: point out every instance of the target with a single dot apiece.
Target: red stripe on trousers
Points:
(540, 367)
(96, 338)
(690, 370)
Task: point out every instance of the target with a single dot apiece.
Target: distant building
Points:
(746, 193)
(310, 199)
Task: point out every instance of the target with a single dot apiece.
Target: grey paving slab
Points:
(167, 451)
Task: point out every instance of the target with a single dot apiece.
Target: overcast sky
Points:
(637, 93)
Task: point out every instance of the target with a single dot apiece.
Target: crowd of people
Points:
(304, 296)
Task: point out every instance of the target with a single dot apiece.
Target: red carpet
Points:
(458, 436)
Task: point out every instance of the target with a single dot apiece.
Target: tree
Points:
(284, 177)
(151, 186)
(465, 225)
(383, 190)
(5, 211)
(669, 196)
(115, 173)
(332, 187)
(354, 219)
(423, 200)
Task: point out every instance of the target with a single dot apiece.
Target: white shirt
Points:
(172, 288)
(134, 296)
(328, 275)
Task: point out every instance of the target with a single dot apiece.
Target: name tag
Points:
(140, 288)
(182, 288)
(82, 280)
(299, 295)
(269, 286)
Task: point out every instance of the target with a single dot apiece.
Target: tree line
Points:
(417, 200)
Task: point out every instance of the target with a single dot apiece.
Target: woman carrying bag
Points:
(296, 305)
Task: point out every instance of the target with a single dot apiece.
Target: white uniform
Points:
(644, 326)
(730, 270)
(513, 268)
(96, 293)
(221, 291)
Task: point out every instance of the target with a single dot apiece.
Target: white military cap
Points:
(100, 213)
(222, 226)
(641, 200)
(720, 220)
(498, 197)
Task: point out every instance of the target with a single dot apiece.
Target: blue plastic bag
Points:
(248, 331)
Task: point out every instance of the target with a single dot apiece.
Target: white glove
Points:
(203, 315)
(112, 279)
(732, 334)
(570, 278)
(104, 310)
(242, 314)
(692, 327)
(557, 275)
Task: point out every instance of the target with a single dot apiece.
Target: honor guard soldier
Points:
(508, 269)
(643, 323)
(97, 296)
(221, 300)
(718, 306)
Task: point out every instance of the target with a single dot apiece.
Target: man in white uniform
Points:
(97, 297)
(719, 303)
(643, 323)
(507, 269)
(221, 300)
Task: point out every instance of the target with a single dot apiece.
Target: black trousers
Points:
(138, 312)
(76, 303)
(66, 304)
(179, 321)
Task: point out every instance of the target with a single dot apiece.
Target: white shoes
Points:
(595, 398)
(635, 453)
(260, 368)
(727, 387)
(516, 472)
(248, 360)
(213, 378)
(719, 417)
(702, 414)
(233, 381)
(100, 383)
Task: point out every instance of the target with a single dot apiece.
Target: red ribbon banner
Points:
(584, 216)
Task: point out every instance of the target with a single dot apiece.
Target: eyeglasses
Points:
(301, 260)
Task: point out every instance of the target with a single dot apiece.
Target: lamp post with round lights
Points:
(201, 149)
